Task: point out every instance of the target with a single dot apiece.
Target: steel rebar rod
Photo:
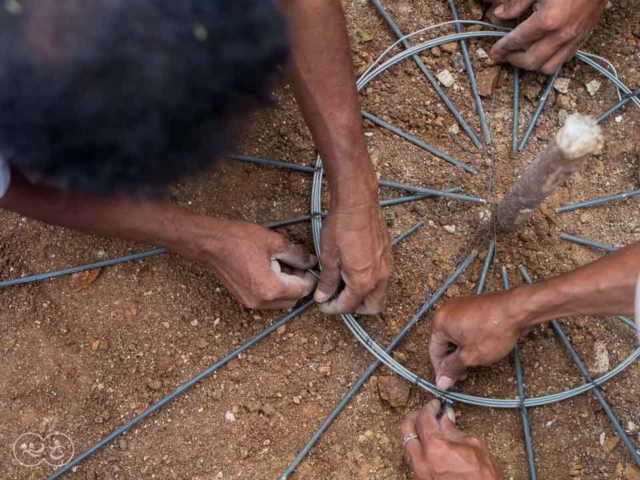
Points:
(418, 143)
(430, 77)
(588, 243)
(373, 367)
(82, 268)
(179, 391)
(516, 110)
(541, 104)
(407, 233)
(628, 322)
(618, 105)
(526, 426)
(472, 76)
(485, 267)
(585, 374)
(451, 192)
(598, 201)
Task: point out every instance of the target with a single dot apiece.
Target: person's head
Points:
(119, 95)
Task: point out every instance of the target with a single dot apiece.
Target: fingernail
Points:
(321, 297)
(444, 383)
(451, 414)
(499, 10)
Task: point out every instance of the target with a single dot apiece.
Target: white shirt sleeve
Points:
(5, 176)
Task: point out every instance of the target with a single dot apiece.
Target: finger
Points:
(512, 8)
(561, 56)
(439, 347)
(520, 39)
(375, 302)
(448, 427)
(450, 370)
(413, 448)
(536, 56)
(347, 302)
(427, 423)
(329, 280)
(293, 286)
(294, 255)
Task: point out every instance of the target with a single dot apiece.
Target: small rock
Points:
(446, 79)
(610, 444)
(268, 410)
(451, 47)
(201, 343)
(562, 85)
(531, 91)
(631, 472)
(453, 291)
(602, 364)
(603, 436)
(450, 228)
(593, 86)
(154, 384)
(81, 280)
(454, 129)
(95, 345)
(563, 102)
(457, 62)
(481, 54)
(585, 218)
(394, 391)
(631, 427)
(230, 417)
(476, 10)
(618, 119)
(363, 35)
(166, 325)
(296, 400)
(253, 407)
(123, 444)
(436, 52)
(562, 115)
(419, 208)
(487, 81)
(281, 329)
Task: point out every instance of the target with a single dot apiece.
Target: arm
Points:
(486, 328)
(246, 258)
(355, 244)
(550, 36)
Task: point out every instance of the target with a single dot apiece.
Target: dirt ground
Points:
(85, 362)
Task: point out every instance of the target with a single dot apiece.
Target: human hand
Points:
(355, 248)
(261, 268)
(442, 452)
(550, 36)
(484, 329)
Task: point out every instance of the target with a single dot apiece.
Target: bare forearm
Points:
(322, 78)
(157, 222)
(604, 287)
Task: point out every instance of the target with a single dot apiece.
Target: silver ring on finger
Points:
(408, 438)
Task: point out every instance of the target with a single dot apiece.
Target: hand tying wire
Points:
(552, 35)
(437, 450)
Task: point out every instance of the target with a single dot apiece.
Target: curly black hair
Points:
(116, 95)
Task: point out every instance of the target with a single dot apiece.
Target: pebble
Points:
(562, 85)
(446, 79)
(268, 410)
(201, 343)
(450, 47)
(611, 443)
(281, 329)
(585, 218)
(481, 54)
(393, 391)
(488, 80)
(593, 86)
(618, 119)
(563, 102)
(154, 384)
(602, 363)
(123, 444)
(457, 62)
(450, 228)
(562, 115)
(296, 400)
(230, 417)
(454, 129)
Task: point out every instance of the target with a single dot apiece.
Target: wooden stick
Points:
(579, 139)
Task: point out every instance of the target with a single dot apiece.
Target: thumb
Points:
(512, 9)
(294, 255)
(329, 281)
(450, 370)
